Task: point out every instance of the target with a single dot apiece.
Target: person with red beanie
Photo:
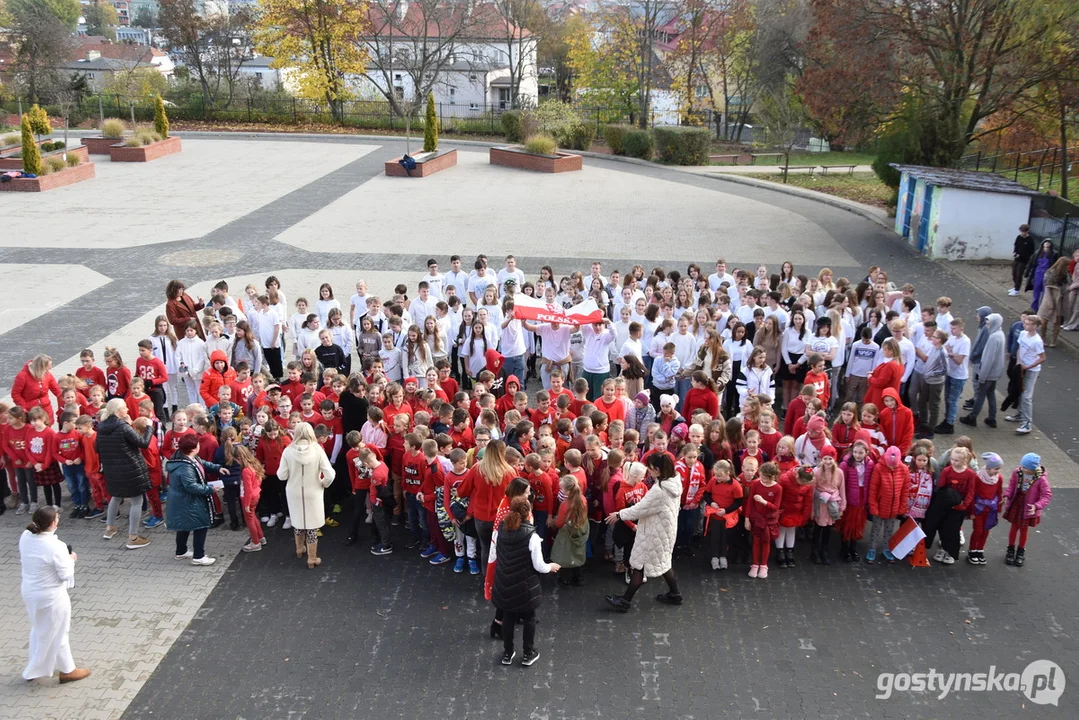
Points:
(829, 503)
(888, 490)
(807, 448)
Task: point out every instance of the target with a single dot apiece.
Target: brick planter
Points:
(100, 145)
(15, 163)
(67, 176)
(145, 153)
(517, 157)
(428, 165)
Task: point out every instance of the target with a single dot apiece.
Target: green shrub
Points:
(55, 164)
(58, 145)
(638, 143)
(45, 147)
(541, 144)
(39, 120)
(578, 136)
(43, 170)
(430, 126)
(113, 128)
(683, 145)
(615, 136)
(511, 125)
(141, 137)
(73, 160)
(10, 139)
(31, 158)
(161, 120)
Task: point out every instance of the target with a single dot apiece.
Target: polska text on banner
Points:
(528, 308)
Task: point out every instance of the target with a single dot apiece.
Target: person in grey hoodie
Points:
(977, 346)
(991, 368)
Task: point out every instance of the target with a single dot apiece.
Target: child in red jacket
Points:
(946, 516)
(84, 425)
(795, 510)
(723, 501)
(985, 508)
(39, 453)
(251, 476)
(889, 487)
(896, 421)
(630, 492)
(762, 516)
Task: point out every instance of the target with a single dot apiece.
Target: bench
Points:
(754, 157)
(810, 168)
(732, 158)
(826, 168)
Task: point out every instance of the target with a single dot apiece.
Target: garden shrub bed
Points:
(52, 181)
(517, 157)
(15, 163)
(145, 153)
(426, 164)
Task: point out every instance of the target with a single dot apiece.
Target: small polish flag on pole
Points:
(906, 538)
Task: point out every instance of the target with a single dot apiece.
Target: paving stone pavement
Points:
(736, 651)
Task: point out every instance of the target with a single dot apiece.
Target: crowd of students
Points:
(788, 404)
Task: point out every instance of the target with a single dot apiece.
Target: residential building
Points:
(257, 71)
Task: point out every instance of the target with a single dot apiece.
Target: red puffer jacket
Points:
(797, 505)
(888, 488)
(28, 392)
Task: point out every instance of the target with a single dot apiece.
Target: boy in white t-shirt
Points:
(957, 350)
(1030, 357)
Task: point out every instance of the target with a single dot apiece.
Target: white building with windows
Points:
(259, 74)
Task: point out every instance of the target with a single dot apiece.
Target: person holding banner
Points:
(555, 352)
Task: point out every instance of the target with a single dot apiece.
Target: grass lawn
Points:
(861, 187)
(832, 158)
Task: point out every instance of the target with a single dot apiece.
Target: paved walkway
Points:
(131, 606)
(765, 169)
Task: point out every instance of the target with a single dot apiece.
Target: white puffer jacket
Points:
(656, 516)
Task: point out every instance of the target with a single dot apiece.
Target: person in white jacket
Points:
(48, 570)
(192, 360)
(656, 516)
(306, 472)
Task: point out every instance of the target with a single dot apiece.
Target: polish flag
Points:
(906, 538)
(529, 308)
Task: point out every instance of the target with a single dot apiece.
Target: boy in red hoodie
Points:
(218, 375)
(504, 403)
(152, 455)
(896, 421)
(84, 425)
(382, 500)
(412, 469)
(433, 476)
(395, 456)
(359, 477)
(270, 448)
(67, 450)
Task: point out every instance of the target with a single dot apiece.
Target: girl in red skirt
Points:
(1028, 495)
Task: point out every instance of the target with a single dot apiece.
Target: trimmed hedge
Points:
(683, 145)
(577, 136)
(639, 143)
(614, 136)
(511, 125)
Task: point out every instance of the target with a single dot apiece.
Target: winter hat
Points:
(411, 380)
(892, 456)
(992, 460)
(680, 431)
(671, 400)
(642, 397)
(828, 451)
(816, 424)
(1031, 461)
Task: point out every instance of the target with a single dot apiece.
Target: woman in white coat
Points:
(306, 472)
(656, 516)
(48, 570)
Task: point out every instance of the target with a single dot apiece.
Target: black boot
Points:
(790, 557)
(814, 553)
(825, 541)
(1009, 559)
(1020, 557)
(496, 629)
(854, 557)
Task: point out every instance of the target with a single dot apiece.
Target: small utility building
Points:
(960, 214)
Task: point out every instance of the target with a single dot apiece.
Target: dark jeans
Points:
(484, 530)
(985, 391)
(717, 537)
(1018, 266)
(417, 518)
(687, 523)
(509, 624)
(157, 395)
(359, 513)
(381, 518)
(273, 495)
(199, 542)
(24, 477)
(232, 499)
(273, 359)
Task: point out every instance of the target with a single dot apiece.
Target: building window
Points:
(473, 106)
(472, 77)
(453, 96)
(258, 75)
(399, 92)
(397, 77)
(89, 76)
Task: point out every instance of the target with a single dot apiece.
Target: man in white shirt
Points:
(596, 273)
(749, 304)
(1030, 357)
(512, 346)
(633, 345)
(720, 276)
(597, 362)
(422, 305)
(456, 278)
(957, 350)
(555, 353)
(357, 304)
(774, 308)
(510, 271)
(906, 350)
(479, 283)
(270, 326)
(434, 279)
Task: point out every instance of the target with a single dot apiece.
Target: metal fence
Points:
(1039, 169)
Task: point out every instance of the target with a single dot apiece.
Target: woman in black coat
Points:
(119, 445)
(519, 553)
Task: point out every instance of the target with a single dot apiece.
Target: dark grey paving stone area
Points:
(371, 637)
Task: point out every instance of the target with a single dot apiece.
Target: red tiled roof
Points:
(113, 50)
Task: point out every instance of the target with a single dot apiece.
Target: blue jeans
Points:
(515, 366)
(953, 388)
(77, 484)
(417, 517)
(687, 523)
(682, 387)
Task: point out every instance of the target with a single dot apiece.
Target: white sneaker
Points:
(272, 521)
(715, 563)
(1023, 429)
(21, 510)
(186, 556)
(204, 560)
(948, 559)
(288, 524)
(262, 541)
(252, 547)
(1013, 292)
(33, 508)
(265, 519)
(939, 557)
(723, 563)
(962, 538)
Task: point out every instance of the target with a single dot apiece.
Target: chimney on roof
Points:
(92, 55)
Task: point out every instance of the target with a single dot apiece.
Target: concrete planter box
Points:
(426, 164)
(67, 176)
(15, 163)
(145, 153)
(100, 145)
(515, 156)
